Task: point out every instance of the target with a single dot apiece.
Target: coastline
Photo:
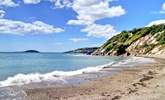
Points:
(143, 82)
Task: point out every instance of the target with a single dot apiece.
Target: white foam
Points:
(21, 79)
(131, 61)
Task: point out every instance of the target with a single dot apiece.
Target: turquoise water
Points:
(25, 68)
(24, 63)
(48, 68)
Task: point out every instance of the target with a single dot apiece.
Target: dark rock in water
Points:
(32, 51)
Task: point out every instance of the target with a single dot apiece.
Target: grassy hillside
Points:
(119, 44)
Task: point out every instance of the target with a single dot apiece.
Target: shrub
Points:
(109, 47)
(121, 49)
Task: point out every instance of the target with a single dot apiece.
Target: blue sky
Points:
(61, 25)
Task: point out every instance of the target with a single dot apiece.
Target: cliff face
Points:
(142, 41)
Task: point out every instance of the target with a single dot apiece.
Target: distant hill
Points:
(31, 51)
(141, 41)
(83, 50)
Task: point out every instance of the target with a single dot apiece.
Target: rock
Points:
(146, 78)
(116, 98)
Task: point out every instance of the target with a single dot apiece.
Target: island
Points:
(31, 51)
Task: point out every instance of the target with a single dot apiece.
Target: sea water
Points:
(17, 69)
(25, 68)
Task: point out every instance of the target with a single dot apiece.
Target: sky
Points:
(61, 25)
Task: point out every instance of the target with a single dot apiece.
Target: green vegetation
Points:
(157, 28)
(161, 38)
(121, 49)
(109, 47)
(120, 42)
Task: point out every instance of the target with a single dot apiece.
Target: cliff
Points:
(141, 41)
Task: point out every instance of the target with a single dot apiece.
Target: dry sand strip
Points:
(145, 82)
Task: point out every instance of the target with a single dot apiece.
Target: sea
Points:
(20, 69)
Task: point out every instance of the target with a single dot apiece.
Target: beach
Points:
(82, 50)
(143, 82)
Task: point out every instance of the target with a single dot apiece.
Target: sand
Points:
(145, 82)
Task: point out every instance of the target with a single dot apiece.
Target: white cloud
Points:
(162, 11)
(8, 3)
(98, 31)
(91, 10)
(21, 28)
(88, 12)
(78, 39)
(163, 6)
(78, 22)
(157, 22)
(62, 3)
(31, 1)
(2, 13)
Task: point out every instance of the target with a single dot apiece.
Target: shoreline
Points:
(126, 84)
(57, 76)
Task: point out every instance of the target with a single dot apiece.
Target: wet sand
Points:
(144, 82)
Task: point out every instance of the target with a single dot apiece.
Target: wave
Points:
(22, 79)
(132, 61)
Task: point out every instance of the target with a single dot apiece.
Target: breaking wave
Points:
(22, 79)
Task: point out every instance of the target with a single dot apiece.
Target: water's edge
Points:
(13, 87)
